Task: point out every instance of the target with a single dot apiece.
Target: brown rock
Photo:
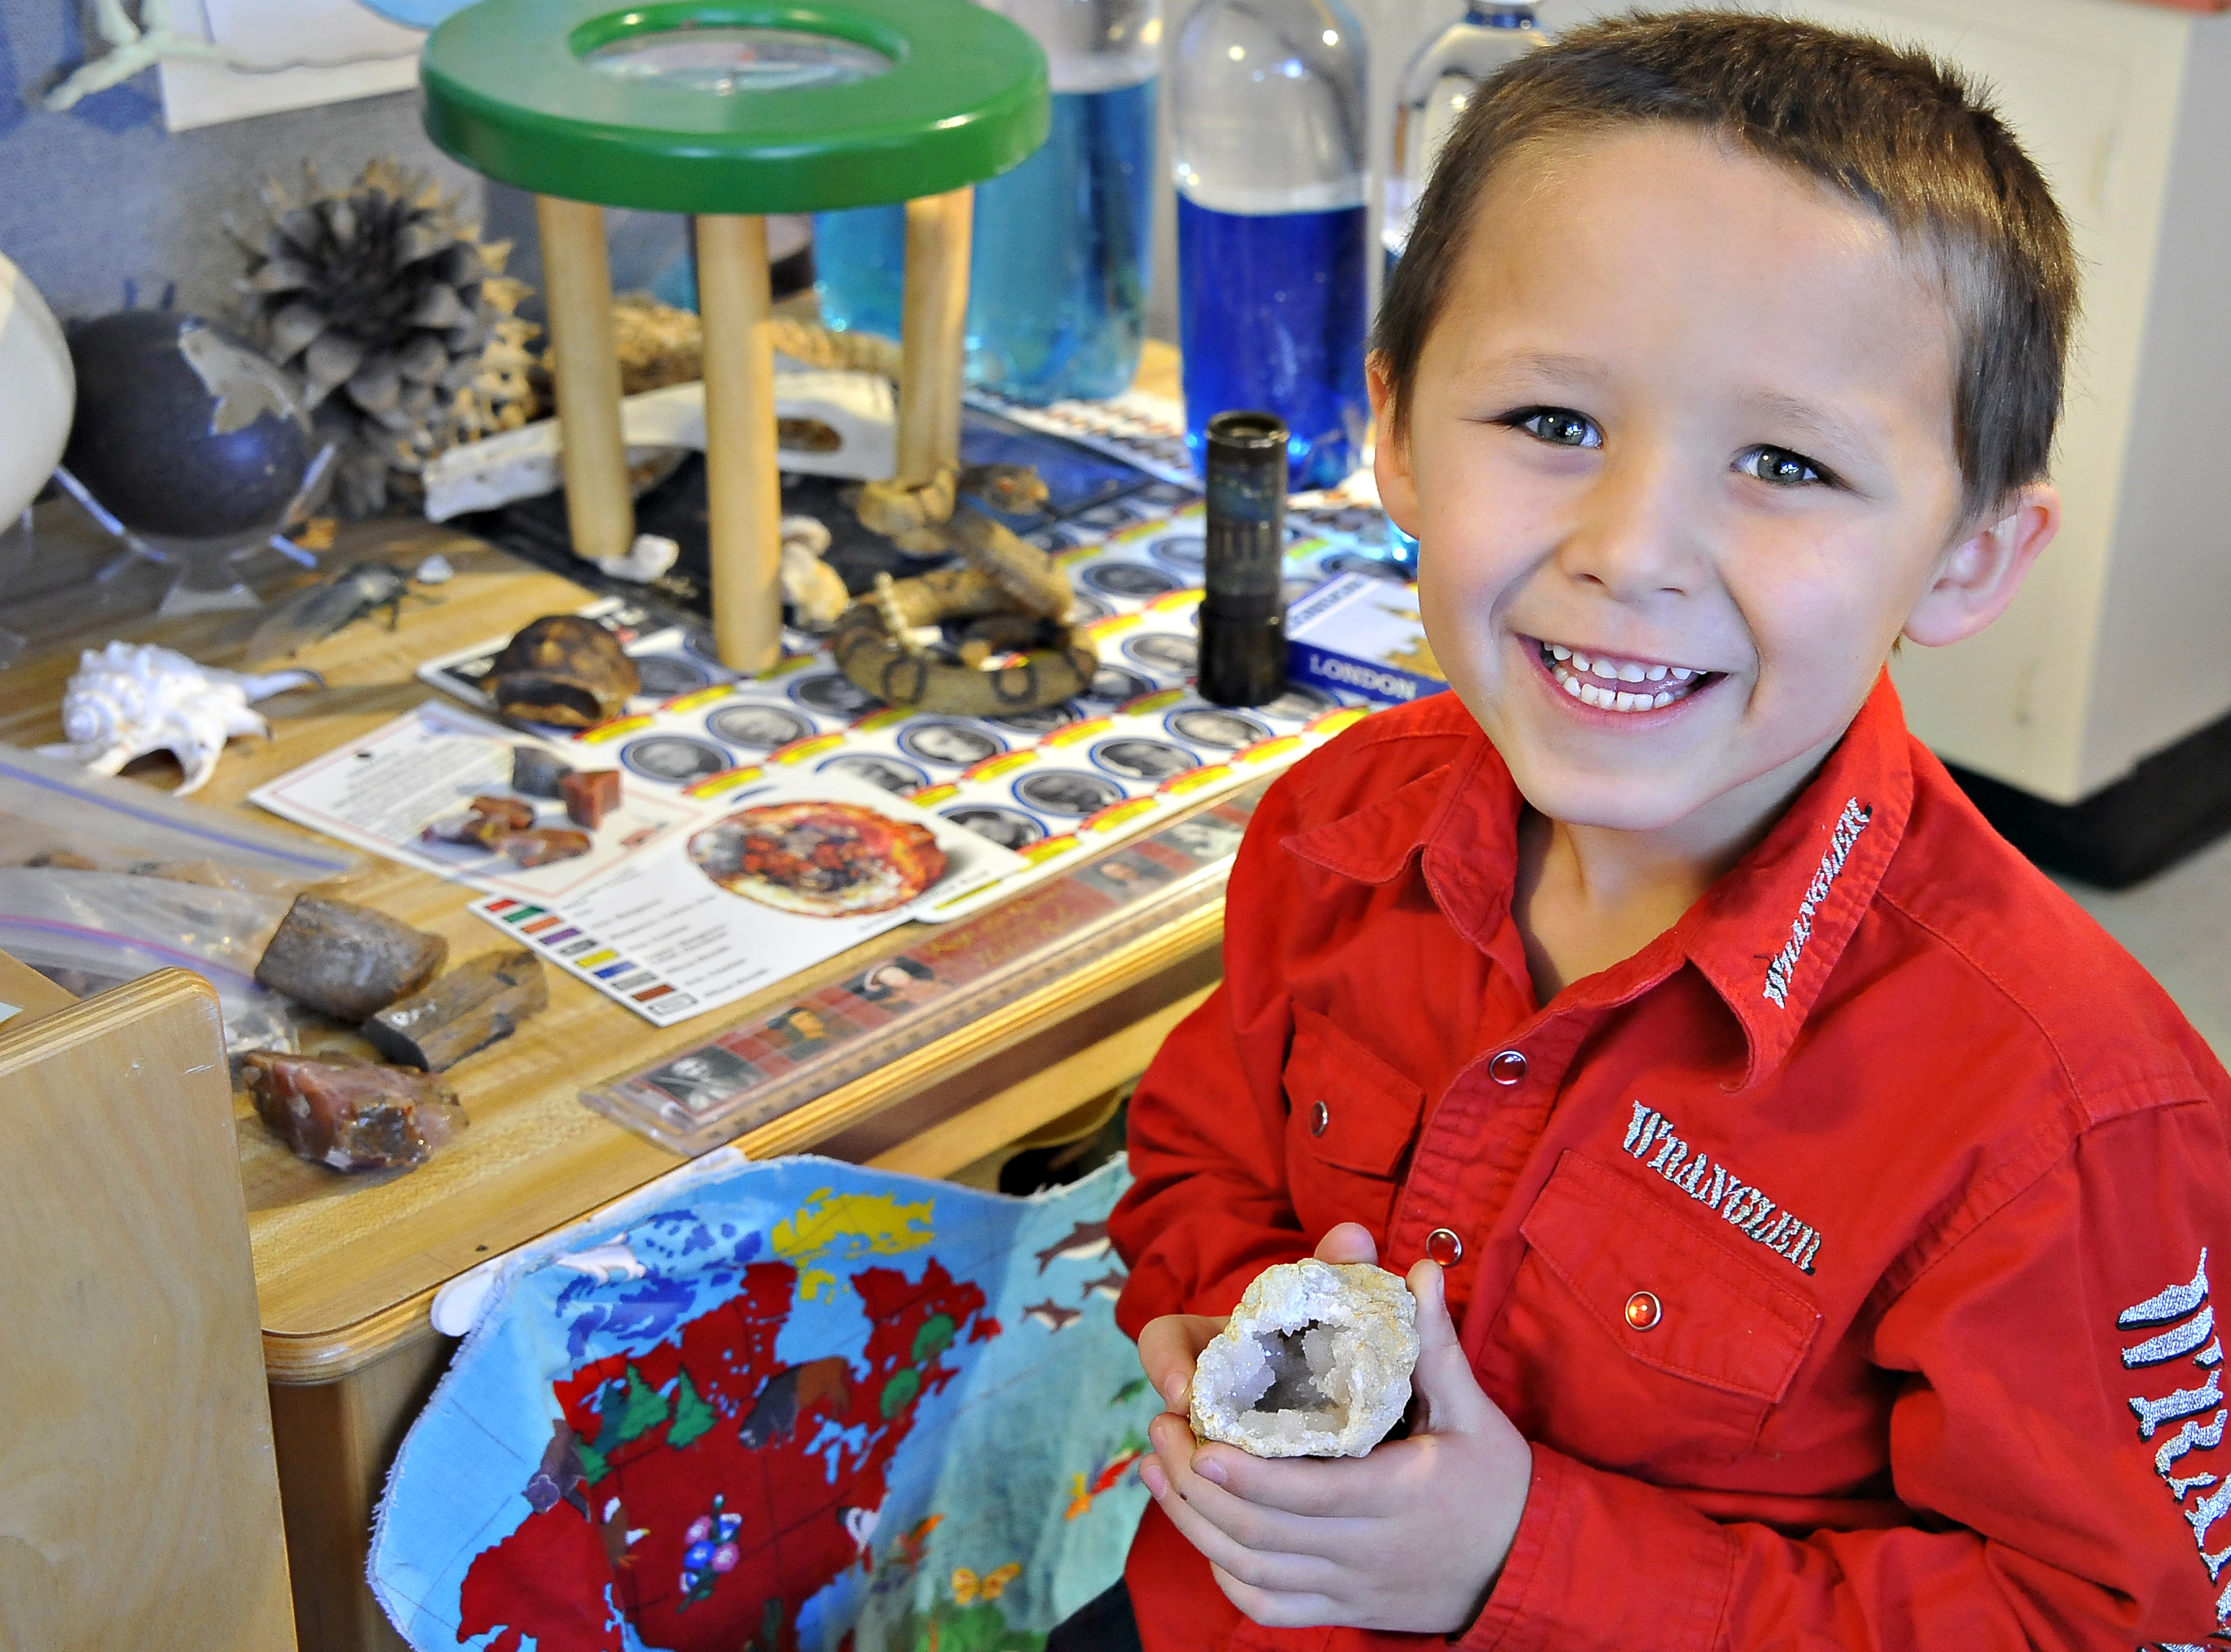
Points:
(485, 831)
(514, 812)
(482, 1000)
(352, 1117)
(346, 961)
(549, 844)
(565, 670)
(589, 798)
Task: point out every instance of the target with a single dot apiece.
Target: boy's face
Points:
(1686, 417)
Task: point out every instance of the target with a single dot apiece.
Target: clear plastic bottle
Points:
(1435, 88)
(1268, 121)
(1059, 267)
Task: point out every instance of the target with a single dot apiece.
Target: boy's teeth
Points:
(1658, 674)
(1600, 681)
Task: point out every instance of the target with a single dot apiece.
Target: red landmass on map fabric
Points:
(549, 1580)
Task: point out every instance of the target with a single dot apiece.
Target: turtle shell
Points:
(565, 670)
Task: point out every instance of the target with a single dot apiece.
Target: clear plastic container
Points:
(1268, 117)
(1058, 271)
(1434, 91)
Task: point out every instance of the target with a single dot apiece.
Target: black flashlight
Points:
(1243, 618)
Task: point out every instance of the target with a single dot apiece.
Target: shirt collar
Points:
(1766, 936)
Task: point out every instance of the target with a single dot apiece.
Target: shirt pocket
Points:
(1350, 1119)
(1641, 1338)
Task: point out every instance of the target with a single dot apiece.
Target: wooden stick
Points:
(577, 288)
(931, 333)
(743, 485)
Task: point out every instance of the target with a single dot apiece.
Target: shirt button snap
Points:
(1320, 1119)
(1642, 1310)
(1444, 1246)
(1507, 1068)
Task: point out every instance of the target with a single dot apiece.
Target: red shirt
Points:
(1923, 1173)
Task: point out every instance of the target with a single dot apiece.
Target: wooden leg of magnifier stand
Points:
(577, 285)
(935, 311)
(743, 485)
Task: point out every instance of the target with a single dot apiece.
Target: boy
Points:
(1810, 1211)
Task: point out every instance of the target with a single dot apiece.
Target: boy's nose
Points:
(1633, 535)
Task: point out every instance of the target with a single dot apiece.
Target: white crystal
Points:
(1331, 1346)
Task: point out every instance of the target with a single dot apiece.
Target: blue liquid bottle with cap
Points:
(1435, 90)
(1268, 123)
(1061, 248)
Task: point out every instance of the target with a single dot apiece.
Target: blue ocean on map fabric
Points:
(783, 1405)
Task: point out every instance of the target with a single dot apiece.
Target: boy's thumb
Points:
(1447, 1399)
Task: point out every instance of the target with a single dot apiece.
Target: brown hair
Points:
(1893, 129)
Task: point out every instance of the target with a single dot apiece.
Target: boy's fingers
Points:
(1167, 1348)
(1276, 1610)
(1347, 1242)
(1256, 1528)
(1449, 1399)
(1311, 1487)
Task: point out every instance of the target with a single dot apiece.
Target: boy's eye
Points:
(1779, 467)
(1559, 426)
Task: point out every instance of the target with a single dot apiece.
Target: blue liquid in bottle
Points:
(1271, 316)
(1059, 262)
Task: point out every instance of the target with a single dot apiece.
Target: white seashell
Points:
(651, 555)
(128, 700)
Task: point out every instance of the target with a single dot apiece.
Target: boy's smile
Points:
(1679, 454)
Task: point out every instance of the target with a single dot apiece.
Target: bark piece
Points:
(482, 1000)
(514, 812)
(346, 961)
(1315, 1362)
(535, 772)
(549, 844)
(589, 798)
(352, 1118)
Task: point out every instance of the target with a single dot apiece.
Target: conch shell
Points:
(128, 700)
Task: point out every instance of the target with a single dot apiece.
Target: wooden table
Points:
(346, 1267)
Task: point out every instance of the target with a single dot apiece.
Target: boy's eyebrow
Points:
(1813, 420)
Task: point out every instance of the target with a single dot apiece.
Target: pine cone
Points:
(396, 317)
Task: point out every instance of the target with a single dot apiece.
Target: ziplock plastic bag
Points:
(50, 807)
(90, 930)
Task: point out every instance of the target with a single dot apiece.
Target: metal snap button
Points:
(1320, 1116)
(1508, 1066)
(1444, 1246)
(1642, 1310)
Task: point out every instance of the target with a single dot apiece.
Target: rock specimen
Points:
(535, 772)
(346, 961)
(352, 1118)
(589, 798)
(549, 844)
(563, 669)
(1314, 1363)
(514, 812)
(484, 832)
(471, 1007)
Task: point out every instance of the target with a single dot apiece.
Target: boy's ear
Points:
(1977, 579)
(1390, 463)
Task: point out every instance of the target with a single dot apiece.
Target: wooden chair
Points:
(139, 1497)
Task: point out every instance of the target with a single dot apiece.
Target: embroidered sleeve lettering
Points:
(1652, 1138)
(2190, 1318)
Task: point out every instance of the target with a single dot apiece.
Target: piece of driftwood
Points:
(590, 796)
(346, 961)
(482, 1000)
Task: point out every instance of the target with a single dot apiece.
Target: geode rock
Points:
(1314, 1363)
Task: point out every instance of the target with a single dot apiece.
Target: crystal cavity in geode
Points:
(1315, 1362)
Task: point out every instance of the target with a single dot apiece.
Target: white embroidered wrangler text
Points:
(1849, 825)
(1651, 1139)
(2182, 1320)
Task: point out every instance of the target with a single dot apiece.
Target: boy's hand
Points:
(1409, 1539)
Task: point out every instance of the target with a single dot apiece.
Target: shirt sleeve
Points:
(2059, 1435)
(1208, 1208)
